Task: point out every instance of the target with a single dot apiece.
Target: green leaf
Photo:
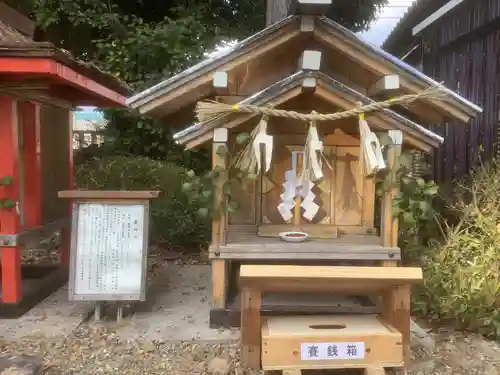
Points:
(432, 190)
(7, 203)
(221, 150)
(406, 180)
(207, 193)
(242, 138)
(186, 187)
(202, 212)
(7, 180)
(252, 177)
(408, 218)
(191, 174)
(406, 160)
(413, 203)
(425, 206)
(396, 211)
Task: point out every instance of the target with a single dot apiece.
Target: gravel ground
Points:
(94, 349)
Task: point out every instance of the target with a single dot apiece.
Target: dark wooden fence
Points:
(463, 50)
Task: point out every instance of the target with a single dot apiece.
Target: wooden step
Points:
(350, 280)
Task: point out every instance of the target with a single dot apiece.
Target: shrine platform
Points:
(248, 246)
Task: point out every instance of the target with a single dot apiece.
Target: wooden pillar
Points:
(66, 232)
(251, 340)
(389, 225)
(219, 266)
(9, 219)
(32, 176)
(396, 303)
(396, 310)
(297, 210)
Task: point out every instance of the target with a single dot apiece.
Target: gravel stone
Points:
(218, 366)
(95, 349)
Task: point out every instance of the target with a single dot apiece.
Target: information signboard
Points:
(109, 251)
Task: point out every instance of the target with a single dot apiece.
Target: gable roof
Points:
(412, 76)
(328, 33)
(212, 63)
(290, 87)
(15, 44)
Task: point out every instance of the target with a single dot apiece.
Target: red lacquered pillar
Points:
(9, 219)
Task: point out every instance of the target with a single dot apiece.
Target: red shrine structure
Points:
(40, 85)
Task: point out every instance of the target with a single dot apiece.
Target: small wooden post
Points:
(396, 310)
(9, 218)
(297, 212)
(396, 303)
(219, 266)
(251, 300)
(389, 225)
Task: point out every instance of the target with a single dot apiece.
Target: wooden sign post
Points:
(109, 243)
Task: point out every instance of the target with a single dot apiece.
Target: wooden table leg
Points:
(251, 327)
(219, 275)
(396, 310)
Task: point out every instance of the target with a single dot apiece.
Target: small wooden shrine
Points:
(316, 100)
(39, 89)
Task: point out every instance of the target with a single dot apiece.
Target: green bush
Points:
(462, 275)
(174, 219)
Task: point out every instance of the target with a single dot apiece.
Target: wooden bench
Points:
(393, 284)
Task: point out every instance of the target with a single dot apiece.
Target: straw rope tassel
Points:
(262, 138)
(249, 159)
(370, 148)
(312, 168)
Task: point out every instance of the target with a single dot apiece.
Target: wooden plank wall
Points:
(463, 50)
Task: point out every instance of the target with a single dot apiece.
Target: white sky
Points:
(387, 19)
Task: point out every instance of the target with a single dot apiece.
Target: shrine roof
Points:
(193, 84)
(291, 87)
(400, 65)
(16, 48)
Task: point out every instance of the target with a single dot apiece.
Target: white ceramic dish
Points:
(285, 236)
